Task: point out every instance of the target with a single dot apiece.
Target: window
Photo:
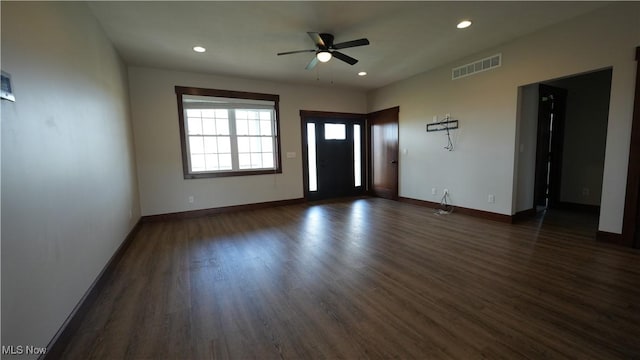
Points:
(311, 153)
(228, 133)
(335, 131)
(357, 156)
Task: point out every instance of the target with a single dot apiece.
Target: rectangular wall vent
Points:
(475, 67)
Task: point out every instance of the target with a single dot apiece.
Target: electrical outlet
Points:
(492, 198)
(434, 191)
(190, 199)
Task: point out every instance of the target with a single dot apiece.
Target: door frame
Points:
(630, 226)
(394, 112)
(305, 116)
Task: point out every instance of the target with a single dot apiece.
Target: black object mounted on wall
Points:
(6, 93)
(442, 125)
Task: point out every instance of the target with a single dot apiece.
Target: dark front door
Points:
(334, 157)
(334, 144)
(383, 134)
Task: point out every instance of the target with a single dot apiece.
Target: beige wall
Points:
(485, 160)
(69, 189)
(155, 121)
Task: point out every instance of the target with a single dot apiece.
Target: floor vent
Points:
(475, 67)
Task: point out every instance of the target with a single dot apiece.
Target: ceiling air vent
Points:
(475, 67)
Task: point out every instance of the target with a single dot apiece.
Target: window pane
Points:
(311, 152)
(335, 131)
(208, 113)
(265, 128)
(225, 161)
(222, 114)
(211, 161)
(193, 113)
(210, 145)
(244, 161)
(265, 115)
(208, 126)
(267, 144)
(267, 160)
(197, 162)
(357, 167)
(222, 127)
(255, 144)
(256, 160)
(242, 126)
(241, 114)
(254, 127)
(196, 144)
(224, 145)
(252, 115)
(194, 125)
(243, 145)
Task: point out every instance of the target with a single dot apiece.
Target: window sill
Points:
(231, 173)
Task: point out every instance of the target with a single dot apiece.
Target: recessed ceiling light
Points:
(199, 49)
(464, 24)
(362, 73)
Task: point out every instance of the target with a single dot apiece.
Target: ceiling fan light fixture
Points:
(199, 49)
(323, 56)
(464, 24)
(362, 73)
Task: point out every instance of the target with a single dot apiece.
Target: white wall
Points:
(163, 188)
(68, 171)
(486, 104)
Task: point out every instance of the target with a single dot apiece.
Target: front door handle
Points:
(394, 161)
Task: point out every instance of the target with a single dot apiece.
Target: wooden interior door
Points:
(383, 150)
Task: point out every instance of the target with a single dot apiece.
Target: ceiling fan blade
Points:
(295, 52)
(346, 58)
(352, 43)
(316, 39)
(312, 63)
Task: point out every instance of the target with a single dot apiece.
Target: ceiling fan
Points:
(326, 49)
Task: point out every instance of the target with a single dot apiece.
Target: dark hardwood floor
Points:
(364, 278)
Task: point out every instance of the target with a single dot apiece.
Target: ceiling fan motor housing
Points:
(328, 41)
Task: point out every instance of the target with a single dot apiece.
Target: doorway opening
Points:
(562, 131)
(333, 154)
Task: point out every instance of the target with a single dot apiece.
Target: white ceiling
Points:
(242, 38)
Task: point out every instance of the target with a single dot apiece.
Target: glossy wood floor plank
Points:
(366, 278)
